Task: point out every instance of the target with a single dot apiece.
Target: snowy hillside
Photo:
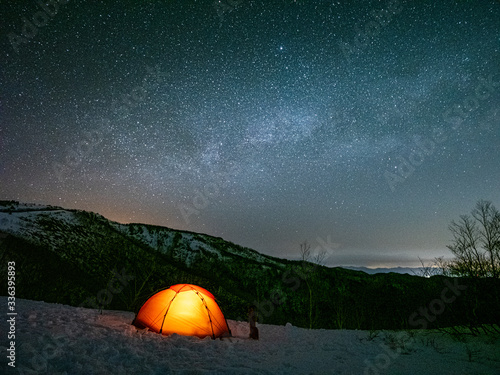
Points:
(47, 225)
(190, 245)
(57, 339)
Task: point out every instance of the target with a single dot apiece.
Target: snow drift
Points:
(58, 339)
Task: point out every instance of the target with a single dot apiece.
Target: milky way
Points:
(361, 127)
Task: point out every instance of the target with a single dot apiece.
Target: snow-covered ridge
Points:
(26, 221)
(62, 340)
(20, 206)
(49, 225)
(189, 246)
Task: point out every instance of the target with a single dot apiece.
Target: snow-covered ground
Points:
(57, 339)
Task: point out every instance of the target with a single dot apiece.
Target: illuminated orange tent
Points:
(184, 309)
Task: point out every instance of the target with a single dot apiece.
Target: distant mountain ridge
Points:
(405, 270)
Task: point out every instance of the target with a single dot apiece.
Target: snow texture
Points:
(56, 339)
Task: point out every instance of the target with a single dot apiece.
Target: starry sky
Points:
(363, 127)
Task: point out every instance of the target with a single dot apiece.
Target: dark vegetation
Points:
(76, 261)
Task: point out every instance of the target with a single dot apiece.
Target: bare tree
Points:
(305, 256)
(476, 242)
(305, 251)
(309, 264)
(443, 265)
(431, 269)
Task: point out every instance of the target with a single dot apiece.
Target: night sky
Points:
(363, 127)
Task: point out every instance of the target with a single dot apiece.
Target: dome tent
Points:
(184, 309)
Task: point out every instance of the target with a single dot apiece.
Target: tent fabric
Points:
(184, 309)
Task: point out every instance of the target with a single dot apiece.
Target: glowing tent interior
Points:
(184, 309)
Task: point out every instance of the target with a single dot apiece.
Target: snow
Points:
(158, 238)
(24, 222)
(57, 339)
